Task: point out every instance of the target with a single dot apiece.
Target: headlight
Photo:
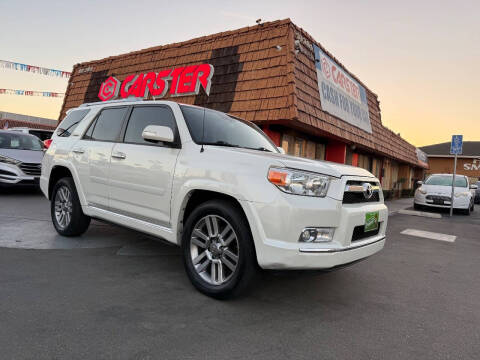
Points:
(299, 182)
(8, 160)
(466, 193)
(422, 191)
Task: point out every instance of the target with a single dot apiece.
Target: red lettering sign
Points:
(183, 81)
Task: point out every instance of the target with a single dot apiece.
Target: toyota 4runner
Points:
(213, 184)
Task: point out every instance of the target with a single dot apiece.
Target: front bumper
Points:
(12, 175)
(461, 202)
(276, 228)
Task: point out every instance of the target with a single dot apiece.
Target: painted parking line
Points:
(429, 235)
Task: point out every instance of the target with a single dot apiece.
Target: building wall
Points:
(465, 166)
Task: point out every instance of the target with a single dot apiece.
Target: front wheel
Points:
(67, 215)
(218, 250)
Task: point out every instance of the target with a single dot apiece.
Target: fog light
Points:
(306, 235)
(317, 235)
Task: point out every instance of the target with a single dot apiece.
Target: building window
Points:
(287, 144)
(320, 151)
(298, 148)
(302, 147)
(310, 151)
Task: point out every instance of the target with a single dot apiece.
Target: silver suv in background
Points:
(20, 159)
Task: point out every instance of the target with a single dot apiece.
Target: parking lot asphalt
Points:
(118, 294)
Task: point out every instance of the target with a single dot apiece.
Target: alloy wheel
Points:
(214, 249)
(63, 206)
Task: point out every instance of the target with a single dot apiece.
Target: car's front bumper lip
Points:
(458, 202)
(355, 245)
(12, 175)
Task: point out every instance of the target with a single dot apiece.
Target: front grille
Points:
(438, 199)
(355, 197)
(360, 234)
(31, 169)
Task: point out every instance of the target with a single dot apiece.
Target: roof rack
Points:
(129, 99)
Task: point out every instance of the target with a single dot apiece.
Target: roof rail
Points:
(129, 99)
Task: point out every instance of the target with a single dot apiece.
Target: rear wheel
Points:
(66, 211)
(218, 250)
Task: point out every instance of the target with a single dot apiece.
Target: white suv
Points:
(213, 184)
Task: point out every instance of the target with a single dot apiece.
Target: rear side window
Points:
(70, 122)
(142, 116)
(108, 124)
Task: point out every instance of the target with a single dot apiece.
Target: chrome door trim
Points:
(142, 221)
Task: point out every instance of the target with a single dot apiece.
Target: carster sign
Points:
(340, 94)
(179, 81)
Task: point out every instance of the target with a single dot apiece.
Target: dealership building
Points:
(441, 162)
(273, 74)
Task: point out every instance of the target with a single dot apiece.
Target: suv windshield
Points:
(446, 180)
(17, 141)
(224, 130)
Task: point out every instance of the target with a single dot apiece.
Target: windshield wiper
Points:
(221, 143)
(224, 143)
(261, 148)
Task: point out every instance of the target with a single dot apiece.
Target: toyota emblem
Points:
(367, 190)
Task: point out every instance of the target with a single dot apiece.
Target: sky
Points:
(420, 57)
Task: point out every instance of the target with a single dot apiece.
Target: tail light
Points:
(47, 143)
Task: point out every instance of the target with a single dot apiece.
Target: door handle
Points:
(78, 151)
(119, 155)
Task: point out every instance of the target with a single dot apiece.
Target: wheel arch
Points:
(196, 197)
(58, 172)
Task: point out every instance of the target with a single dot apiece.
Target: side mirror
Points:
(282, 151)
(158, 133)
(419, 182)
(473, 187)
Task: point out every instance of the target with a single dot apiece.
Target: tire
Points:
(417, 206)
(216, 273)
(467, 211)
(65, 199)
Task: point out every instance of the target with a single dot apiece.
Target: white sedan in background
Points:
(436, 191)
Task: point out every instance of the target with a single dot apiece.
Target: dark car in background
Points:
(40, 133)
(20, 159)
(477, 193)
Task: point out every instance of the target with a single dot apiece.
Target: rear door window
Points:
(70, 122)
(108, 125)
(142, 116)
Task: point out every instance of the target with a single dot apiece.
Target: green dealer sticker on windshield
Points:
(371, 221)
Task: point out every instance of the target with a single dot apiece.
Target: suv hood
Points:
(317, 166)
(27, 156)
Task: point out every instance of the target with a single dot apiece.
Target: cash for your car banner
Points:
(340, 94)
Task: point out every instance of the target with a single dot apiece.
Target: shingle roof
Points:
(470, 148)
(258, 76)
(17, 123)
